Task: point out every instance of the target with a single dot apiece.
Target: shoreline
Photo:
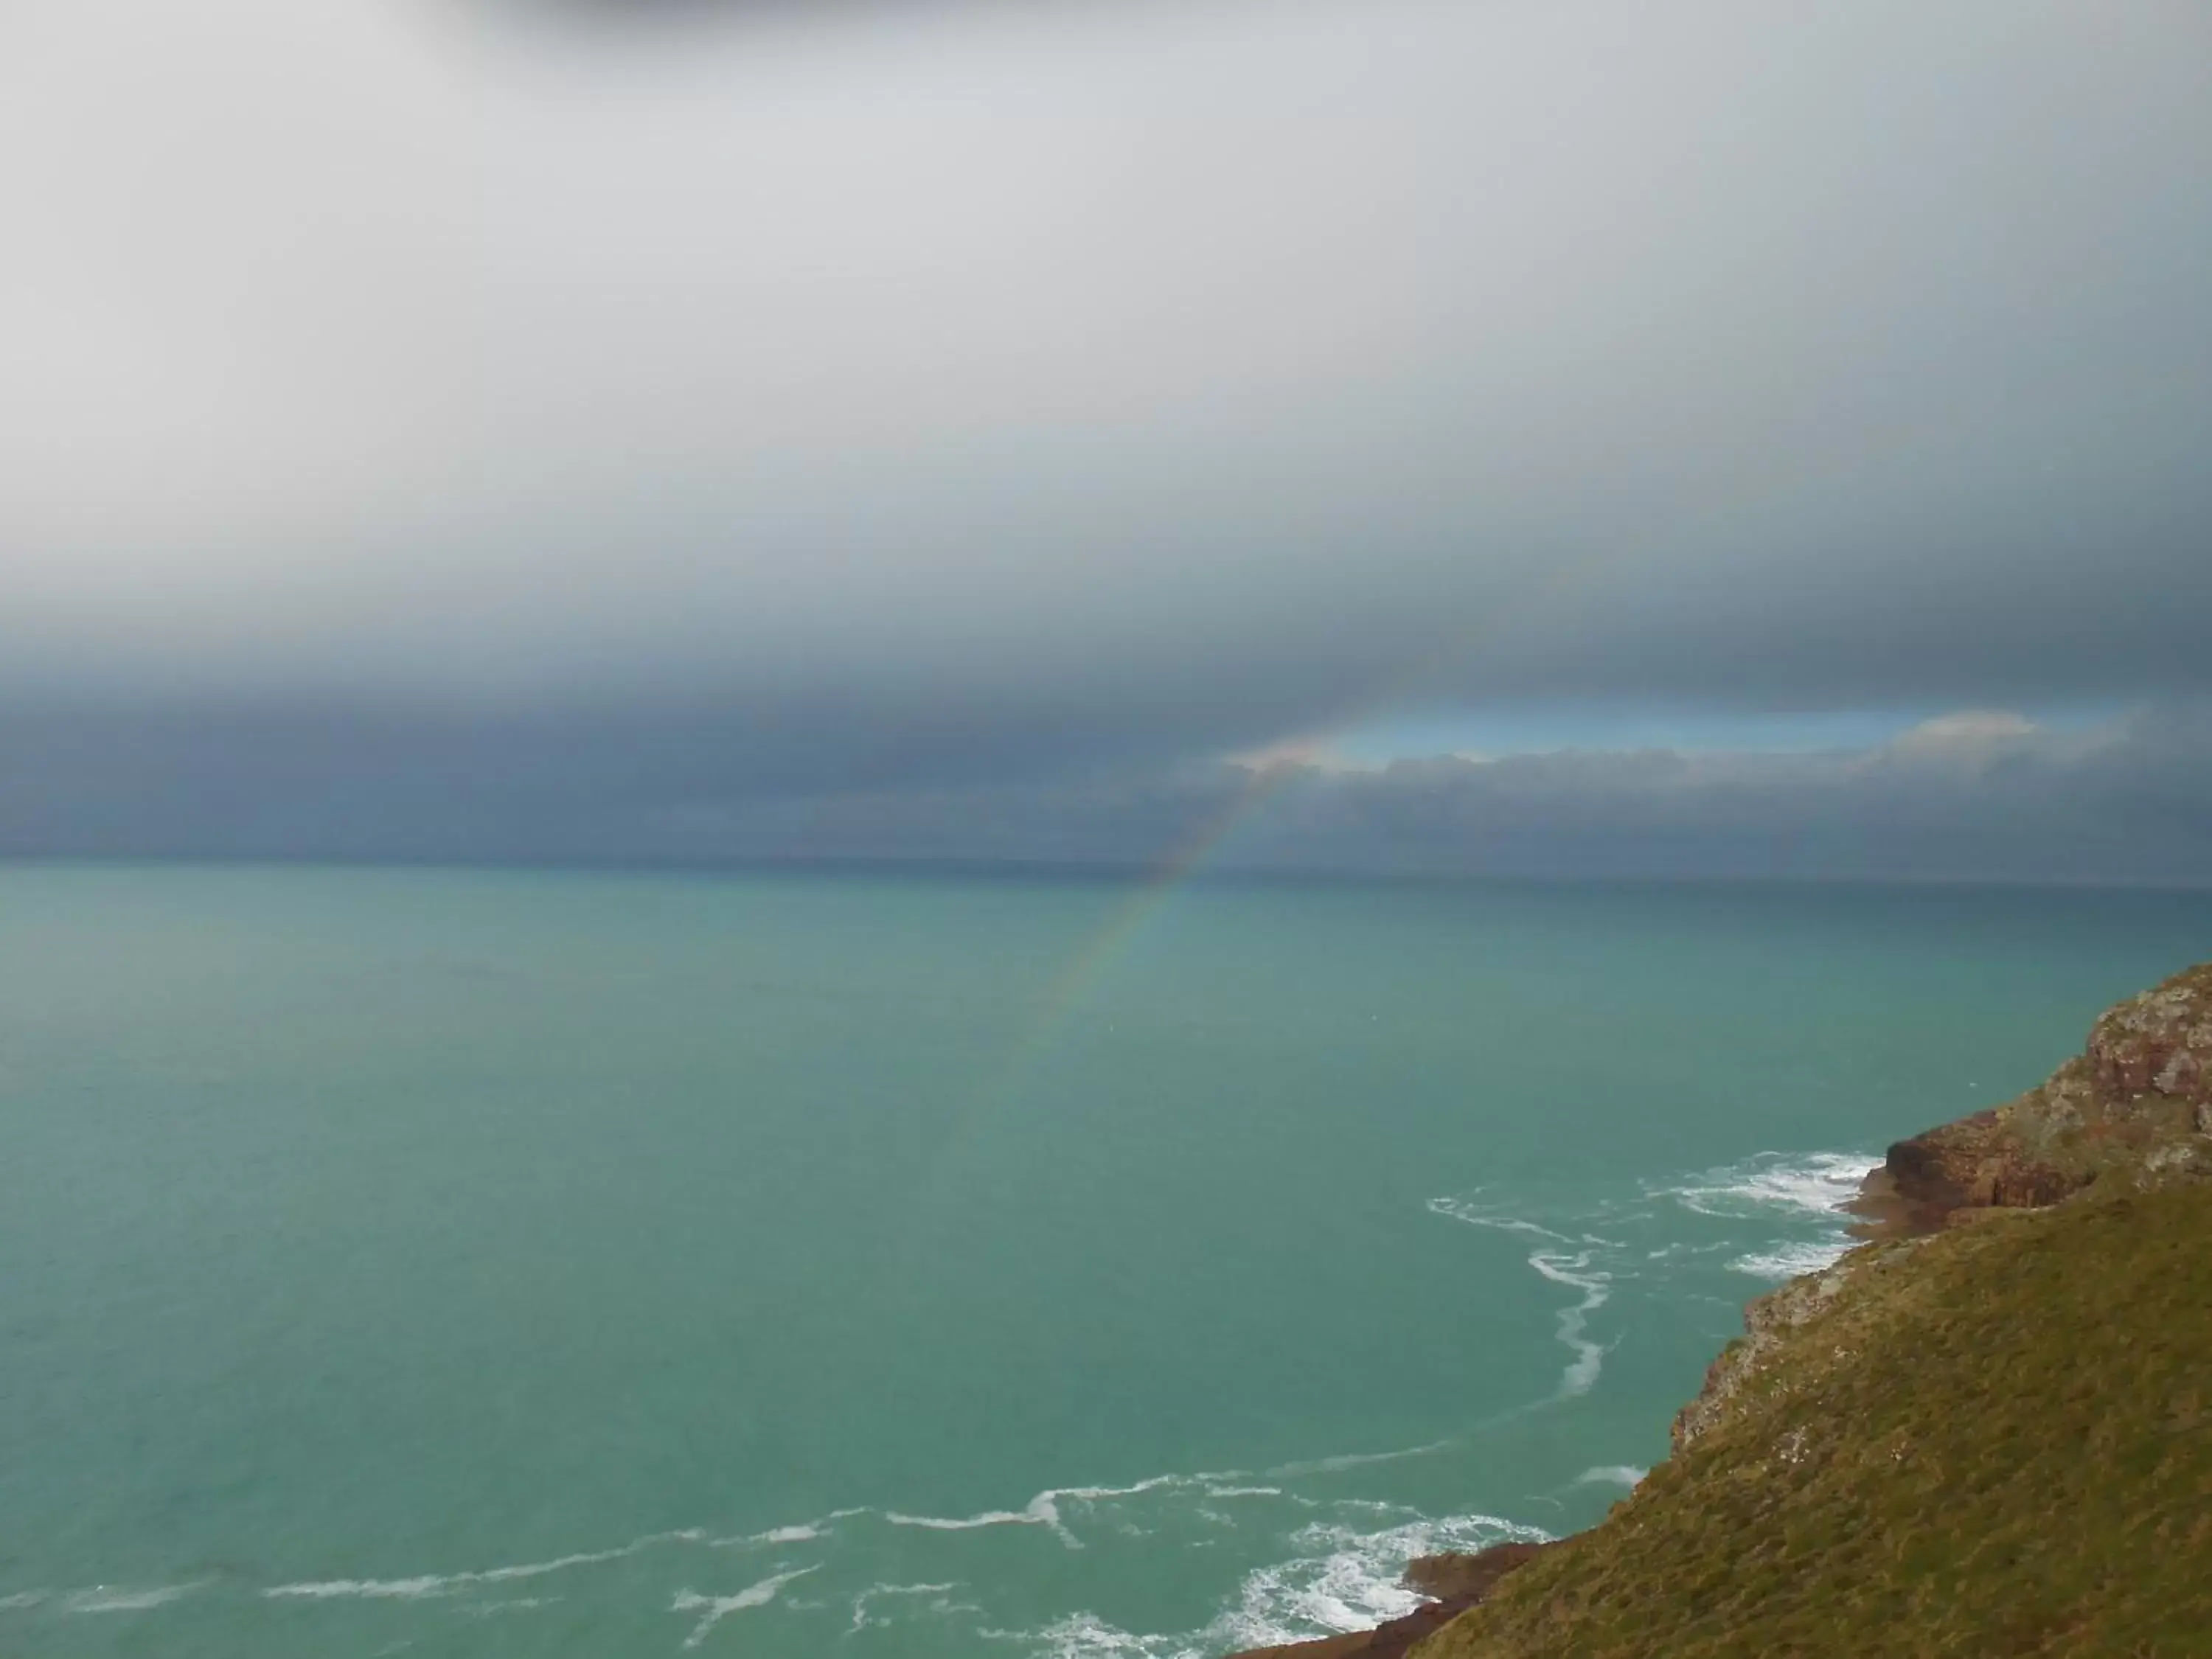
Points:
(1456, 1581)
(2130, 1115)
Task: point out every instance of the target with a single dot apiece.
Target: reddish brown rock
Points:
(1979, 1163)
(2136, 1103)
(1456, 1575)
(2159, 1042)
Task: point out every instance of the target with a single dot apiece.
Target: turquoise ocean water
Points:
(444, 1263)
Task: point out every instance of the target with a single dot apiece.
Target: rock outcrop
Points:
(1470, 1577)
(2136, 1104)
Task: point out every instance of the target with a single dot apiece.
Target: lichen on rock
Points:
(2159, 1042)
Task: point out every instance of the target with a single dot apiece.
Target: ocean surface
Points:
(886, 1264)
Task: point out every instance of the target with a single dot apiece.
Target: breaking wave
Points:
(1343, 1578)
(1805, 1184)
(1795, 1189)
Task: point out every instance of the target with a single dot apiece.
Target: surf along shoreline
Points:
(2131, 1113)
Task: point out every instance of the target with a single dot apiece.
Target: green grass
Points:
(1998, 1441)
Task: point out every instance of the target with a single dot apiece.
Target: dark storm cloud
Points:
(1970, 797)
(429, 429)
(1981, 798)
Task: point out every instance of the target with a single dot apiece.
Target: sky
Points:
(1490, 436)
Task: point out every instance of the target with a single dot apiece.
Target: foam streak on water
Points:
(410, 1590)
(860, 1602)
(1583, 1371)
(1572, 1267)
(102, 1598)
(713, 1610)
(1337, 1556)
(1790, 1261)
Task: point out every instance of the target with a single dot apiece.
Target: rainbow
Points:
(1069, 987)
(1561, 577)
(1072, 986)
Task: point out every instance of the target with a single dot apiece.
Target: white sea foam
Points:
(802, 1532)
(393, 1589)
(713, 1609)
(1576, 1272)
(21, 1599)
(861, 1617)
(1151, 1483)
(1791, 1260)
(1569, 1266)
(428, 1584)
(1803, 1183)
(1341, 1576)
(105, 1598)
(1795, 1185)
(1464, 1207)
(1346, 1579)
(1614, 1475)
(1087, 1636)
(1356, 1459)
(1043, 1510)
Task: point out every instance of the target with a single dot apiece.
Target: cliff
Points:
(1997, 1439)
(2132, 1111)
(1988, 1430)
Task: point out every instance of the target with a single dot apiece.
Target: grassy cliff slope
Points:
(1991, 1438)
(1995, 1440)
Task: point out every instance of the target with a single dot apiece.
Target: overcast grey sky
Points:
(952, 430)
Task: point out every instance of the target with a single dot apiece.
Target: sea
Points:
(914, 1264)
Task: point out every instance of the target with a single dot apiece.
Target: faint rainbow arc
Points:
(1099, 952)
(1107, 943)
